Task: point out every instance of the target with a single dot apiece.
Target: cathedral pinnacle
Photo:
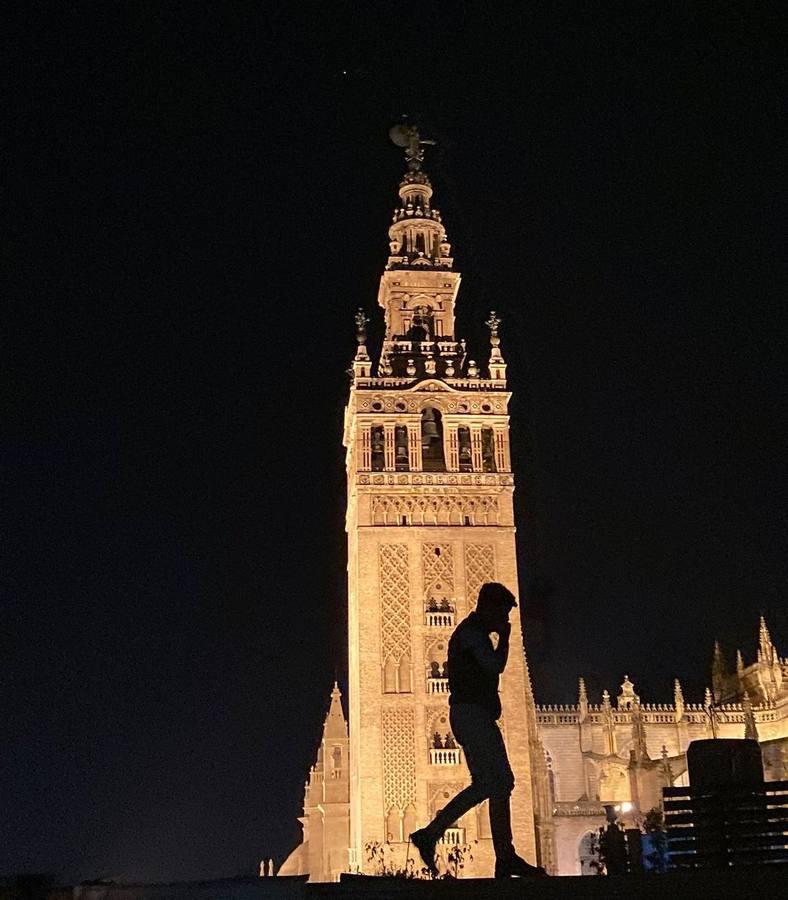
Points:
(335, 725)
(582, 698)
(678, 700)
(765, 646)
(750, 728)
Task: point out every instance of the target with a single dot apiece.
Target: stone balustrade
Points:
(453, 837)
(445, 756)
(440, 618)
(437, 685)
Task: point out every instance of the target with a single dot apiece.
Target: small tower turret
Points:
(497, 364)
(582, 699)
(678, 700)
(362, 365)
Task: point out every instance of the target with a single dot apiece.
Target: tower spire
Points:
(416, 236)
(335, 725)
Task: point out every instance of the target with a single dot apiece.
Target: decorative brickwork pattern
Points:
(439, 510)
(394, 601)
(437, 569)
(399, 759)
(479, 568)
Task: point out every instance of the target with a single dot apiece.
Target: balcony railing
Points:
(443, 618)
(438, 685)
(445, 756)
(453, 836)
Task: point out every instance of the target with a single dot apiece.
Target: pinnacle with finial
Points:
(493, 323)
(362, 320)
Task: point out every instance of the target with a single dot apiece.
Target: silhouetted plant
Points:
(379, 856)
(455, 859)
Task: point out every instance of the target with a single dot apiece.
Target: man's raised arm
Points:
(492, 660)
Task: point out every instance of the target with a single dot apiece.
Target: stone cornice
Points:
(436, 479)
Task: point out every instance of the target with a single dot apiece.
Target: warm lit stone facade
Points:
(429, 520)
(624, 752)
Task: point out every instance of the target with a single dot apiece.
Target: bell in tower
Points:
(432, 441)
(429, 428)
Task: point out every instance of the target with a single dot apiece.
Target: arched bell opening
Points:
(464, 448)
(378, 447)
(423, 327)
(401, 463)
(432, 455)
(488, 450)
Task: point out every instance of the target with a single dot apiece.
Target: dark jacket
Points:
(474, 666)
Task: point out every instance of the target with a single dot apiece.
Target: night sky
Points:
(199, 202)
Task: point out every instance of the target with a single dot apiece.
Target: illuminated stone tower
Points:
(429, 520)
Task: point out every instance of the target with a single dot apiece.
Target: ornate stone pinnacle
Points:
(362, 321)
(493, 323)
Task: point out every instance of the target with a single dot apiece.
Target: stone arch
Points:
(437, 650)
(483, 829)
(390, 675)
(588, 853)
(433, 454)
(437, 722)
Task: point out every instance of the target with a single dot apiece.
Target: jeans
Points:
(491, 776)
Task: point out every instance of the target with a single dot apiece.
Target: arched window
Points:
(378, 447)
(432, 456)
(401, 463)
(422, 328)
(483, 820)
(488, 450)
(465, 453)
(588, 851)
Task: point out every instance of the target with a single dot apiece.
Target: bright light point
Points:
(626, 807)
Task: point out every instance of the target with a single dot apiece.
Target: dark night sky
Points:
(199, 202)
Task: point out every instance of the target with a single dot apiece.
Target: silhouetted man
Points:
(474, 708)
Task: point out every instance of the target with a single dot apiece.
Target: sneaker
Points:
(424, 842)
(516, 867)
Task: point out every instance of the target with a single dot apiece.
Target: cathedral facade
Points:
(429, 520)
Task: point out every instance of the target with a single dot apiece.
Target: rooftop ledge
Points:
(465, 384)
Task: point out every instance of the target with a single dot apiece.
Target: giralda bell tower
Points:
(429, 520)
